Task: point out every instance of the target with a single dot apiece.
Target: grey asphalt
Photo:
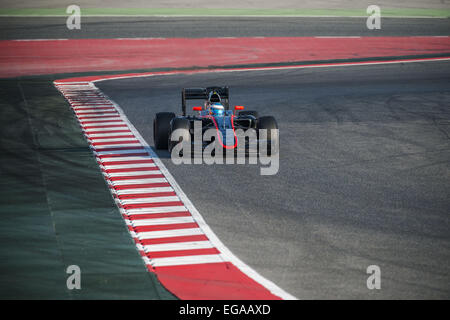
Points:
(113, 27)
(364, 176)
(233, 4)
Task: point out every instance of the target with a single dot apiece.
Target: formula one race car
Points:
(214, 114)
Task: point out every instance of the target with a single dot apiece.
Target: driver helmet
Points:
(217, 109)
(214, 97)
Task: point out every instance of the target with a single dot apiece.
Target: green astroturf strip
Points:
(55, 207)
(386, 12)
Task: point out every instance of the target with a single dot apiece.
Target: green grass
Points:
(55, 207)
(386, 12)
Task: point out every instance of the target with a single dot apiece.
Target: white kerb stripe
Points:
(96, 116)
(99, 130)
(186, 260)
(133, 173)
(130, 166)
(95, 134)
(169, 233)
(105, 146)
(112, 117)
(104, 153)
(143, 190)
(133, 158)
(84, 94)
(81, 112)
(150, 200)
(161, 221)
(87, 97)
(105, 124)
(138, 181)
(192, 245)
(113, 139)
(138, 211)
(89, 108)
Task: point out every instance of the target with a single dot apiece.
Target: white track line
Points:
(276, 68)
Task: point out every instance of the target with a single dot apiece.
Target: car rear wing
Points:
(203, 94)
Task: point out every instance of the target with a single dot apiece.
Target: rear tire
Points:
(249, 113)
(161, 128)
(182, 124)
(268, 123)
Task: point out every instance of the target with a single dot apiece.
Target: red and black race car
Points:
(231, 127)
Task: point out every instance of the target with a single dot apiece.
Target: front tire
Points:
(161, 128)
(268, 123)
(180, 124)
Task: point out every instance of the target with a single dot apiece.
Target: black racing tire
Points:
(184, 125)
(268, 123)
(249, 113)
(161, 128)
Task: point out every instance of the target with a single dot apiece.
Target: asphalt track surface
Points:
(363, 180)
(261, 4)
(195, 27)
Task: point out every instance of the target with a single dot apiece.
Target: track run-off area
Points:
(44, 56)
